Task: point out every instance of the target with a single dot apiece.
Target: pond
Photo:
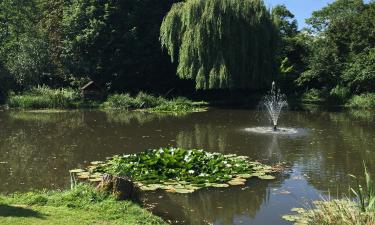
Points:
(38, 148)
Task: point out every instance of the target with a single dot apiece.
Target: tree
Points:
(342, 35)
(221, 43)
(24, 51)
(116, 43)
(291, 49)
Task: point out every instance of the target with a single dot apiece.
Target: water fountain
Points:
(274, 102)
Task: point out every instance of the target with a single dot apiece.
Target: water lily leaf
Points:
(172, 190)
(258, 174)
(298, 210)
(149, 188)
(245, 176)
(76, 171)
(97, 163)
(184, 191)
(290, 218)
(95, 179)
(83, 175)
(220, 185)
(266, 177)
(235, 182)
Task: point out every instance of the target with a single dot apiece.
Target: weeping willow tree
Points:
(221, 43)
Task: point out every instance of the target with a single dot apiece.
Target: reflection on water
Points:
(37, 149)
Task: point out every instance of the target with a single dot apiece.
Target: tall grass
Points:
(365, 195)
(360, 211)
(43, 98)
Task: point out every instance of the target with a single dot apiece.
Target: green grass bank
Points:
(79, 206)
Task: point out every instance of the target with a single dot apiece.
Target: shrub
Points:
(366, 100)
(178, 105)
(312, 95)
(120, 101)
(144, 100)
(339, 94)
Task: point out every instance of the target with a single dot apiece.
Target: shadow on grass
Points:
(15, 211)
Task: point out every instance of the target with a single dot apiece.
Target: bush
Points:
(339, 94)
(312, 95)
(144, 100)
(120, 101)
(362, 101)
(179, 104)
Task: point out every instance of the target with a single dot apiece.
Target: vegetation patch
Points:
(362, 101)
(333, 212)
(178, 170)
(47, 98)
(360, 210)
(79, 206)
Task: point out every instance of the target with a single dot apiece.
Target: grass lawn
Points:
(82, 205)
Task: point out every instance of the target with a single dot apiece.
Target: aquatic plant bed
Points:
(177, 170)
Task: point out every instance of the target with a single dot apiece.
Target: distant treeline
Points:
(127, 46)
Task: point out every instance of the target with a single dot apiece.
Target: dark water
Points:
(37, 150)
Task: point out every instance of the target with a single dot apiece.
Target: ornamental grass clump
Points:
(179, 170)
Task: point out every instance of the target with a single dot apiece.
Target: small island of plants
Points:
(177, 169)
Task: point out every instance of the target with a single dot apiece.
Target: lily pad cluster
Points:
(178, 170)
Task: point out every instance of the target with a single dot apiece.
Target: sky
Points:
(302, 9)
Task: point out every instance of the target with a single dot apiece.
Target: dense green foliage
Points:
(341, 48)
(116, 42)
(221, 43)
(81, 205)
(214, 44)
(181, 170)
(44, 97)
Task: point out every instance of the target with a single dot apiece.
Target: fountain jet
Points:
(274, 102)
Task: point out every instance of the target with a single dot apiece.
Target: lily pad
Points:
(183, 191)
(246, 175)
(290, 218)
(76, 171)
(266, 177)
(97, 162)
(220, 185)
(236, 181)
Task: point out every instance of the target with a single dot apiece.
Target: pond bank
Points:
(81, 205)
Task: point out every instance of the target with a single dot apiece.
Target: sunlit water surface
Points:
(37, 149)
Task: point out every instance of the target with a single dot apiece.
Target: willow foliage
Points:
(221, 43)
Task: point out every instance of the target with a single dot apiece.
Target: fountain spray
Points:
(274, 102)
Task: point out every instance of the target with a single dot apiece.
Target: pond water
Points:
(38, 148)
